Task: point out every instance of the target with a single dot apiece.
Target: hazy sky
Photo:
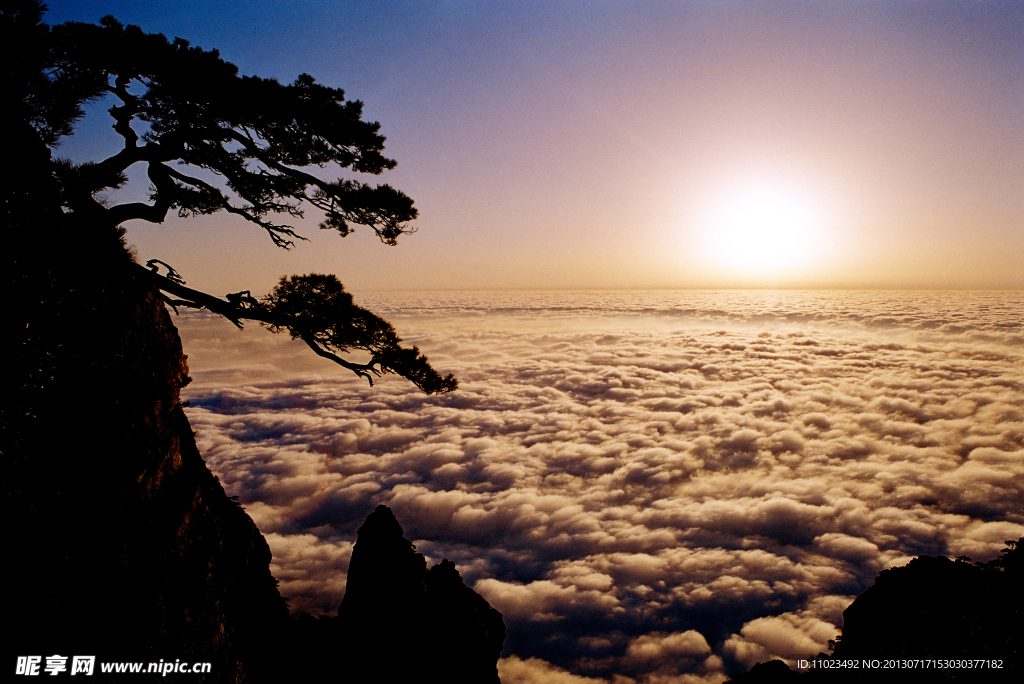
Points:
(640, 144)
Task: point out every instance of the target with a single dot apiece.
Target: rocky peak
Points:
(385, 574)
(400, 620)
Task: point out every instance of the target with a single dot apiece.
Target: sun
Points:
(761, 229)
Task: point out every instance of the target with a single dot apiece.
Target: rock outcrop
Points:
(938, 609)
(400, 620)
(123, 544)
(964, 615)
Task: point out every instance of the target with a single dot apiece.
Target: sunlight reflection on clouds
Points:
(648, 484)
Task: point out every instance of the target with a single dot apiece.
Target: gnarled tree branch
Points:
(327, 324)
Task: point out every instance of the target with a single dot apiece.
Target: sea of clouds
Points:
(650, 486)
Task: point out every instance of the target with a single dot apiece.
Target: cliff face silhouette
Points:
(123, 542)
(940, 609)
(125, 546)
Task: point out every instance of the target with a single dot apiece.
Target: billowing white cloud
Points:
(515, 670)
(659, 486)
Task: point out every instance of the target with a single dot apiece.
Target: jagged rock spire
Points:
(401, 621)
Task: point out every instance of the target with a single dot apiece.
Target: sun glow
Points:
(761, 230)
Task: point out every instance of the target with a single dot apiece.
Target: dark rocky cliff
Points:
(125, 546)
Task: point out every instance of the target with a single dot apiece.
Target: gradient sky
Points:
(639, 144)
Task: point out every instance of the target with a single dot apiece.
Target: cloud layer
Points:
(659, 487)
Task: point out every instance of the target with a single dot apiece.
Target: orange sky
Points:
(623, 145)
